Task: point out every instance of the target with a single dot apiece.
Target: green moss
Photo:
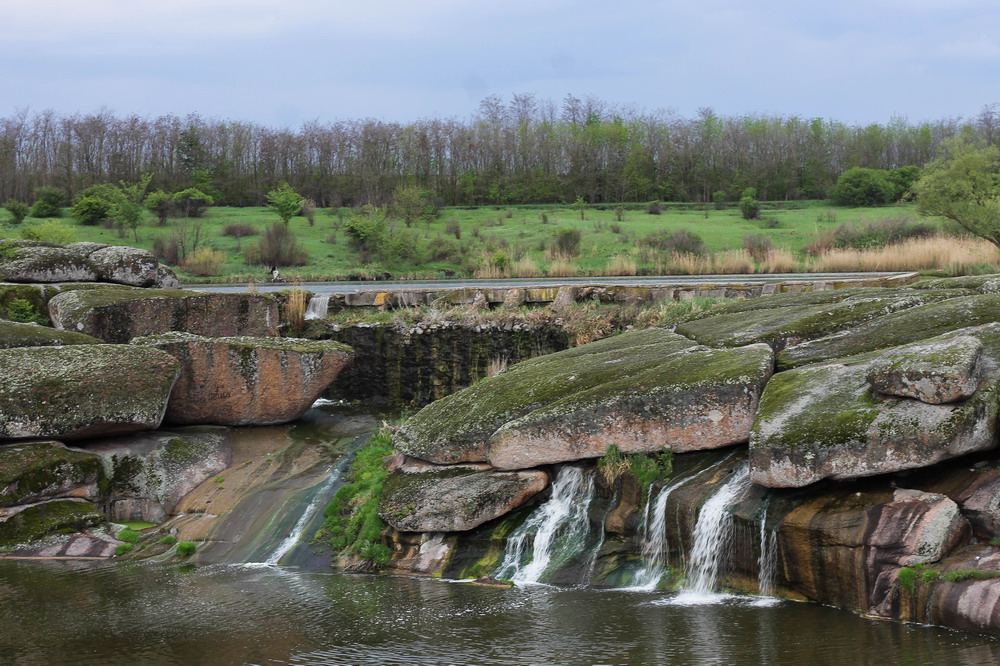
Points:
(13, 334)
(28, 469)
(41, 520)
(186, 548)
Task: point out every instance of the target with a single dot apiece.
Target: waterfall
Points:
(654, 545)
(318, 306)
(767, 563)
(293, 538)
(557, 530)
(712, 534)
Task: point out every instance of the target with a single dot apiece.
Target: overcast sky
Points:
(285, 62)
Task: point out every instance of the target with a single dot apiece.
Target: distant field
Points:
(518, 232)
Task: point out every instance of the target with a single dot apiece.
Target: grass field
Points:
(521, 236)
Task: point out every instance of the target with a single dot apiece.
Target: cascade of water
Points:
(767, 563)
(295, 535)
(712, 534)
(557, 530)
(654, 544)
(318, 307)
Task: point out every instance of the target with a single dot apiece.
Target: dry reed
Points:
(525, 267)
(562, 268)
(955, 255)
(621, 265)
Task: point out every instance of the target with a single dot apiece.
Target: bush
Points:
(566, 242)
(192, 202)
(18, 210)
(277, 248)
(654, 208)
(758, 246)
(91, 210)
(49, 231)
(186, 548)
(22, 310)
(880, 233)
(123, 548)
(749, 206)
(239, 230)
(681, 240)
(285, 201)
(160, 204)
(168, 540)
(863, 187)
(309, 211)
(204, 262)
(128, 536)
(452, 227)
(719, 200)
(48, 202)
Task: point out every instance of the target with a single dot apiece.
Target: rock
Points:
(165, 278)
(458, 427)
(83, 390)
(125, 265)
(934, 372)
(916, 528)
(480, 302)
(515, 298)
(455, 500)
(687, 402)
(789, 325)
(149, 473)
(245, 380)
(912, 325)
(47, 264)
(85, 248)
(823, 421)
(16, 334)
(983, 284)
(566, 296)
(33, 471)
(27, 523)
(118, 315)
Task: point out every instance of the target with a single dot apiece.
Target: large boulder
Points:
(118, 315)
(829, 421)
(83, 390)
(644, 391)
(17, 334)
(33, 471)
(800, 317)
(898, 328)
(125, 265)
(47, 264)
(247, 381)
(149, 473)
(948, 370)
(27, 523)
(455, 500)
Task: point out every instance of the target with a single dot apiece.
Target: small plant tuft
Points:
(186, 548)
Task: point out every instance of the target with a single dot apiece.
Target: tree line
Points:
(519, 151)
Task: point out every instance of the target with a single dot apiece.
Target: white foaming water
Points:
(317, 307)
(711, 536)
(767, 563)
(559, 526)
(654, 546)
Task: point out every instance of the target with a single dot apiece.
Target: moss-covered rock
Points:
(458, 428)
(35, 470)
(825, 420)
(125, 265)
(898, 328)
(47, 264)
(118, 315)
(789, 324)
(455, 500)
(83, 390)
(24, 525)
(16, 334)
(983, 284)
(245, 380)
(936, 372)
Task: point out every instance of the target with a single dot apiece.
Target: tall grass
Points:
(525, 267)
(955, 255)
(621, 265)
(562, 267)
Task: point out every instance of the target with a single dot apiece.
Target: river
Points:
(225, 611)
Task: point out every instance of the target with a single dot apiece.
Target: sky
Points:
(283, 63)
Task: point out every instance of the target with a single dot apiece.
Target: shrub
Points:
(91, 210)
(128, 536)
(239, 230)
(880, 233)
(719, 200)
(186, 548)
(22, 310)
(277, 248)
(749, 206)
(48, 202)
(204, 262)
(285, 201)
(566, 242)
(309, 211)
(123, 548)
(619, 216)
(49, 231)
(192, 202)
(452, 227)
(654, 208)
(863, 187)
(612, 464)
(679, 241)
(18, 210)
(758, 246)
(160, 204)
(168, 540)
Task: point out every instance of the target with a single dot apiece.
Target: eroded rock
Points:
(118, 315)
(125, 265)
(455, 500)
(83, 390)
(32, 471)
(17, 334)
(246, 380)
(47, 264)
(934, 372)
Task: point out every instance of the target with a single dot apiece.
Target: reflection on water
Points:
(102, 613)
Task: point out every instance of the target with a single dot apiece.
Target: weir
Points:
(318, 307)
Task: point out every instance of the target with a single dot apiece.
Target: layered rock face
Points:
(83, 390)
(244, 380)
(118, 315)
(644, 391)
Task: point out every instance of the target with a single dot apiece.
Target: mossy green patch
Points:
(26, 470)
(41, 520)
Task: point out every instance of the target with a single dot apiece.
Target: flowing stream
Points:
(556, 531)
(318, 307)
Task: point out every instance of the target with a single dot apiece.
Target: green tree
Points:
(91, 210)
(18, 210)
(964, 187)
(749, 206)
(863, 187)
(285, 201)
(48, 202)
(192, 201)
(409, 204)
(160, 204)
